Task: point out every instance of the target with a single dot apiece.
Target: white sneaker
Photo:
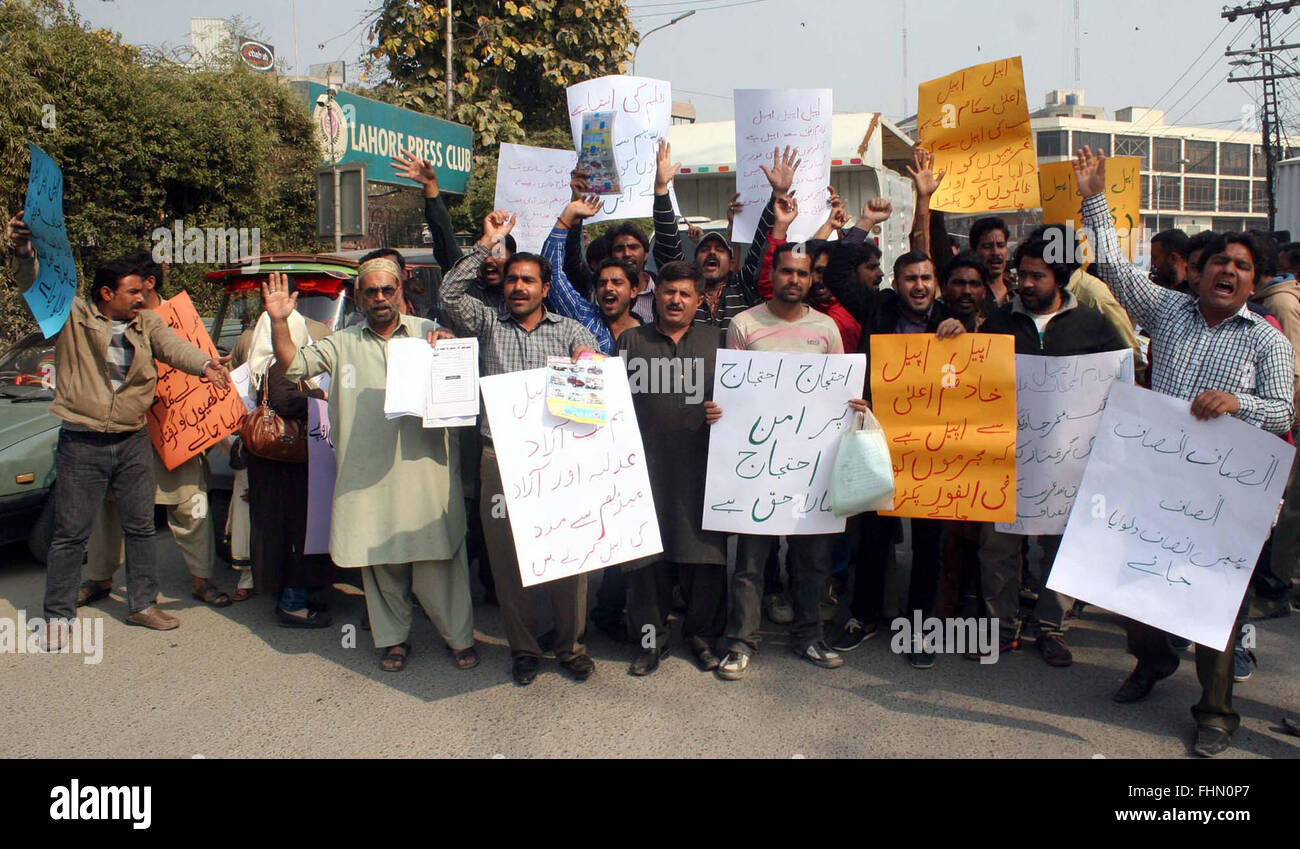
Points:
(733, 666)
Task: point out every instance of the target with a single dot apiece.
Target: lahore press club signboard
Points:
(352, 129)
(258, 56)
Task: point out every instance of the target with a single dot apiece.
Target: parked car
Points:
(29, 434)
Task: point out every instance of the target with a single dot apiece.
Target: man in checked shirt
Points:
(1213, 351)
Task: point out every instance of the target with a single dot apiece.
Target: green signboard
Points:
(357, 129)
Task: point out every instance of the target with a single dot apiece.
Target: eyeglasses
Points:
(374, 291)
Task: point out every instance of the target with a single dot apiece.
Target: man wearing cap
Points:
(726, 294)
(398, 512)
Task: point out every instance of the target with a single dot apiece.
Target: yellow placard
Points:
(1061, 200)
(976, 123)
(948, 408)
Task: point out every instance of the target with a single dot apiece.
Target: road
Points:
(230, 683)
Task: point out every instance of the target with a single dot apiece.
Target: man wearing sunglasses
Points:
(398, 511)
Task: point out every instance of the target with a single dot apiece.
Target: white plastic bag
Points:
(863, 476)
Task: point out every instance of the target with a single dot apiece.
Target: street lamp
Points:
(652, 32)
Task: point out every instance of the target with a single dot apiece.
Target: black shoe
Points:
(1210, 741)
(524, 669)
(704, 656)
(315, 618)
(1138, 686)
(647, 661)
(579, 667)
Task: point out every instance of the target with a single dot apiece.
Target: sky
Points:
(1162, 53)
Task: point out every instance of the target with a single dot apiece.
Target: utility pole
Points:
(1270, 121)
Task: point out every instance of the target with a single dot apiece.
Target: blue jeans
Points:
(293, 598)
(88, 466)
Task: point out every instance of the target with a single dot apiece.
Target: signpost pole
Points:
(338, 212)
(450, 94)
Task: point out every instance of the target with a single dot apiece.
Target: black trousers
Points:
(877, 538)
(650, 595)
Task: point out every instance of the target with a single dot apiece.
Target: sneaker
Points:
(733, 666)
(1243, 664)
(778, 610)
(1054, 650)
(820, 654)
(853, 635)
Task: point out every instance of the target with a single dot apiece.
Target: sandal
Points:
(394, 659)
(208, 593)
(90, 591)
(241, 594)
(465, 658)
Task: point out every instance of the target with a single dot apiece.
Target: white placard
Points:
(771, 453)
(768, 119)
(241, 377)
(1059, 401)
(578, 495)
(439, 384)
(406, 384)
(644, 108)
(1171, 515)
(533, 183)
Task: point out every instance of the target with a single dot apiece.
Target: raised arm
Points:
(668, 239)
(836, 219)
(875, 211)
(786, 210)
(566, 299)
(445, 249)
(20, 241)
(575, 245)
(927, 183)
(461, 308)
(1132, 288)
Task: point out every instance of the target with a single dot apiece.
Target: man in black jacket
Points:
(910, 307)
(1046, 320)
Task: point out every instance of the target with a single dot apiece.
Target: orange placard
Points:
(189, 414)
(948, 408)
(976, 123)
(1061, 200)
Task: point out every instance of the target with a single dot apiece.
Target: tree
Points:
(512, 62)
(144, 143)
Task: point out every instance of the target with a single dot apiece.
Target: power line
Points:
(1149, 117)
(709, 9)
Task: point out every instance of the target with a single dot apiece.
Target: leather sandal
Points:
(208, 593)
(395, 657)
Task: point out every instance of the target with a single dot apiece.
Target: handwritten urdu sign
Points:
(768, 119)
(578, 495)
(1061, 199)
(533, 183)
(50, 297)
(189, 414)
(644, 108)
(771, 453)
(1171, 515)
(948, 409)
(976, 123)
(1059, 401)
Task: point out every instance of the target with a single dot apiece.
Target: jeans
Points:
(808, 562)
(1000, 578)
(772, 572)
(88, 466)
(293, 598)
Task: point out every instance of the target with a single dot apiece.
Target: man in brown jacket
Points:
(104, 384)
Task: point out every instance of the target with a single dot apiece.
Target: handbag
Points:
(267, 435)
(862, 478)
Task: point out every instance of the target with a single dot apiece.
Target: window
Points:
(1053, 143)
(1198, 195)
(1234, 159)
(1096, 141)
(1166, 153)
(1139, 146)
(1257, 153)
(1145, 203)
(1201, 157)
(1169, 191)
(1234, 196)
(1259, 196)
(1237, 225)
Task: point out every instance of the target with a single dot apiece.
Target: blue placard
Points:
(50, 297)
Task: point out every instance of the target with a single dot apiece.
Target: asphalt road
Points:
(230, 683)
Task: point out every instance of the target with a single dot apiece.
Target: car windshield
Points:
(246, 307)
(27, 369)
